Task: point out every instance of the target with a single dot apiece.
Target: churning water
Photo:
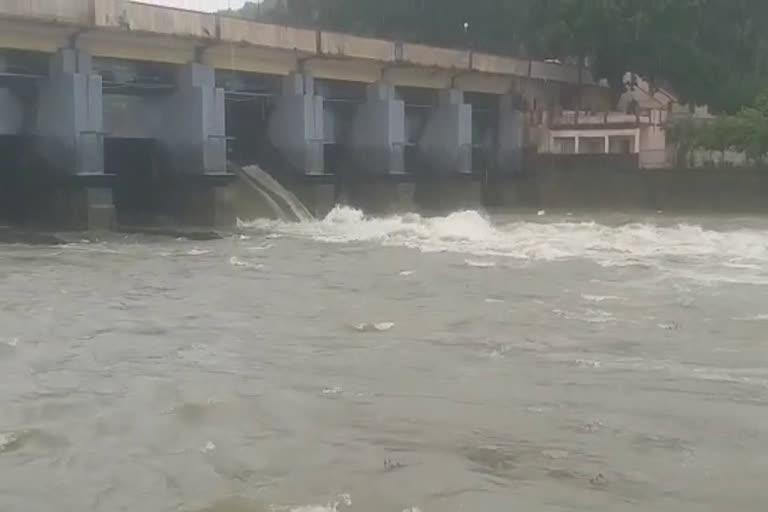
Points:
(458, 363)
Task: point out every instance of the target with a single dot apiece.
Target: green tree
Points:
(709, 51)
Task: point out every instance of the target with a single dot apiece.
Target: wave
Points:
(469, 232)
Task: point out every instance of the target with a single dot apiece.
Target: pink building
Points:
(635, 126)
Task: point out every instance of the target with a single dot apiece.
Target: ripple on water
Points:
(18, 440)
(341, 501)
(193, 413)
(236, 504)
(374, 327)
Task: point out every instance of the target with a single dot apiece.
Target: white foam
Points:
(479, 264)
(209, 447)
(588, 363)
(197, 252)
(7, 440)
(592, 316)
(374, 327)
(264, 247)
(722, 254)
(342, 500)
(599, 298)
(406, 273)
(237, 262)
(754, 318)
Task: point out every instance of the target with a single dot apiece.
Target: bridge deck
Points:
(139, 31)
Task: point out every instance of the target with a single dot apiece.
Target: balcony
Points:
(570, 120)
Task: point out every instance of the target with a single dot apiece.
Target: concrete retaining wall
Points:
(612, 183)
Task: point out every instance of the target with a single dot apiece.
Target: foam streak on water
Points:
(735, 252)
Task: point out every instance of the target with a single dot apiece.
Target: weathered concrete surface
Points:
(379, 197)
(614, 183)
(497, 64)
(173, 22)
(448, 194)
(239, 31)
(69, 115)
(446, 143)
(129, 46)
(334, 44)
(11, 113)
(511, 131)
(363, 71)
(318, 197)
(197, 203)
(75, 207)
(378, 134)
(61, 11)
(709, 190)
(121, 28)
(193, 123)
(430, 56)
(296, 127)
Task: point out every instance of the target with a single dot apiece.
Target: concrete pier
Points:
(510, 136)
(378, 132)
(192, 124)
(70, 143)
(296, 127)
(446, 194)
(380, 196)
(12, 113)
(446, 144)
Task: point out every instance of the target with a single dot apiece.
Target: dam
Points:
(114, 110)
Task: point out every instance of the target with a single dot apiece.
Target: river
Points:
(460, 363)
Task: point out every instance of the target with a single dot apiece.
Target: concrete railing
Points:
(174, 22)
(335, 44)
(497, 64)
(572, 118)
(430, 56)
(144, 19)
(239, 31)
(76, 12)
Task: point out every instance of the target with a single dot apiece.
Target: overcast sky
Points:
(199, 5)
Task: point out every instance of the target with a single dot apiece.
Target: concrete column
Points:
(577, 148)
(192, 128)
(296, 126)
(607, 145)
(378, 132)
(69, 115)
(509, 153)
(447, 140)
(189, 127)
(69, 129)
(11, 113)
